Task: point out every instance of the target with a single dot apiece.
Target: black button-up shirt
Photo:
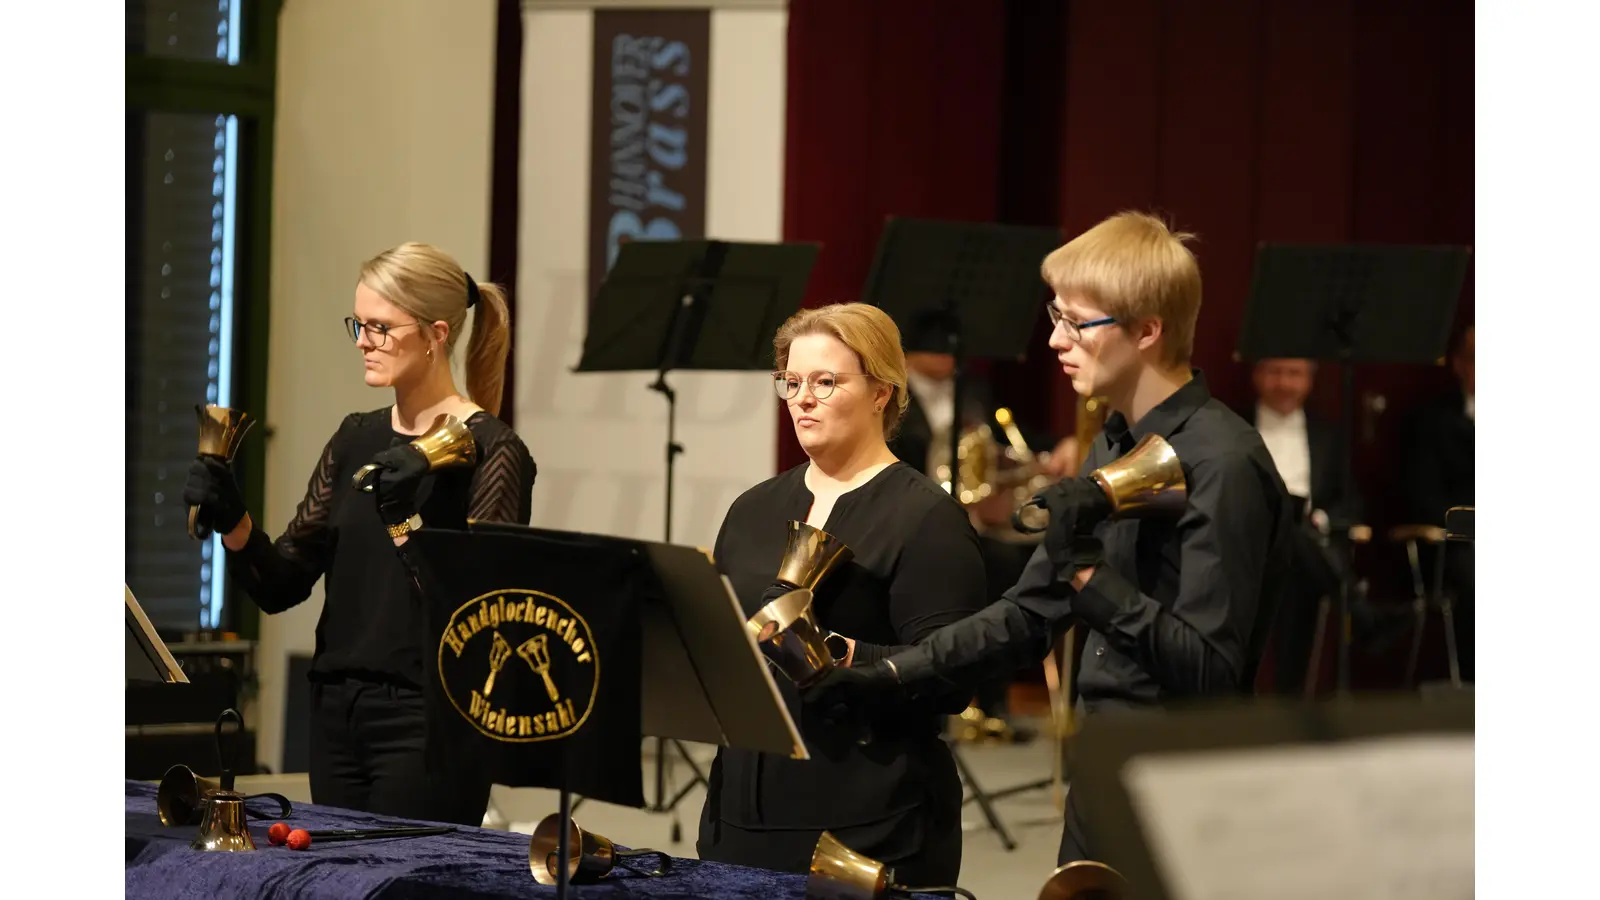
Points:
(1180, 608)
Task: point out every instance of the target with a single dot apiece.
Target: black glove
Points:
(1076, 506)
(400, 471)
(850, 688)
(211, 487)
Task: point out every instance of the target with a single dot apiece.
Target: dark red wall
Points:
(1333, 120)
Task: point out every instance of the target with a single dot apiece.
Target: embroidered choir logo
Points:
(520, 665)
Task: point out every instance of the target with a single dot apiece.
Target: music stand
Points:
(1291, 777)
(1352, 304)
(702, 677)
(1458, 527)
(971, 290)
(146, 656)
(696, 305)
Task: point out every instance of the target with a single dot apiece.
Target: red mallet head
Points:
(278, 834)
(299, 839)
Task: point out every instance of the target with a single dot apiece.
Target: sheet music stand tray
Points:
(146, 656)
(972, 290)
(1109, 750)
(1352, 304)
(702, 676)
(696, 305)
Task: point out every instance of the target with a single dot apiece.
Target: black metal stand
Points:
(563, 848)
(1342, 327)
(675, 351)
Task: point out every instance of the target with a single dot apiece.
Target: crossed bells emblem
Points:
(535, 651)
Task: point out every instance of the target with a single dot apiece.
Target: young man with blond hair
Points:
(1177, 609)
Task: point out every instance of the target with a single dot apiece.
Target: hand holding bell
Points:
(222, 430)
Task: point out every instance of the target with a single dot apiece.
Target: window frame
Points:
(248, 90)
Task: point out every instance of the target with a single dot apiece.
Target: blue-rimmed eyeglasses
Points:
(787, 384)
(1058, 319)
(377, 332)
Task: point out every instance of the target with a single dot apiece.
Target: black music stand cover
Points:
(1360, 303)
(971, 289)
(700, 305)
(532, 653)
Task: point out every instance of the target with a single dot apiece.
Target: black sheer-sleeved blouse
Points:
(916, 567)
(372, 620)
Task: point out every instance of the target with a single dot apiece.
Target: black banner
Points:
(534, 661)
(647, 168)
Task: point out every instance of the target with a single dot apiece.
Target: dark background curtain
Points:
(1241, 121)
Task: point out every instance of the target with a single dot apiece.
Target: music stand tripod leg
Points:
(982, 798)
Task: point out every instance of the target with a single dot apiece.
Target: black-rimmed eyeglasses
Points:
(376, 332)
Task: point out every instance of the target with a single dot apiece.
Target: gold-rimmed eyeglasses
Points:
(788, 384)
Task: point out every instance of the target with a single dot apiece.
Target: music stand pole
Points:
(563, 848)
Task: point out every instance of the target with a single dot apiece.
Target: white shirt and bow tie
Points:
(1290, 446)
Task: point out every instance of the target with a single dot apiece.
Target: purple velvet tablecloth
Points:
(472, 863)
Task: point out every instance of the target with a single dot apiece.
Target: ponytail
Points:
(487, 348)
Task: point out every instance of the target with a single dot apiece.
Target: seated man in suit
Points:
(1309, 453)
(923, 441)
(1438, 474)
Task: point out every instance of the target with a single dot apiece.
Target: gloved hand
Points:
(847, 689)
(1075, 507)
(400, 471)
(211, 487)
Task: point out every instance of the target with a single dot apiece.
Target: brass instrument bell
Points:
(1085, 879)
(448, 444)
(786, 628)
(839, 873)
(222, 430)
(590, 857)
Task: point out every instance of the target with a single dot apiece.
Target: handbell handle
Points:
(225, 758)
(360, 480)
(1023, 527)
(198, 530)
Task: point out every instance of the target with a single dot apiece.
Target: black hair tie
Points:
(472, 292)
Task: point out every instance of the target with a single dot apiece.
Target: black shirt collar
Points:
(1163, 419)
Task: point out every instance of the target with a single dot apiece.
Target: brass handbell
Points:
(810, 555)
(1147, 481)
(789, 635)
(447, 444)
(786, 629)
(590, 857)
(222, 430)
(223, 826)
(1085, 879)
(180, 800)
(839, 873)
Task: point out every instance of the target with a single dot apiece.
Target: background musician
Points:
(367, 679)
(923, 441)
(916, 567)
(1310, 455)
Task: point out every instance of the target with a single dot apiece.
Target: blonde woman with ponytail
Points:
(412, 306)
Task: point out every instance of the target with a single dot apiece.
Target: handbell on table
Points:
(590, 856)
(839, 873)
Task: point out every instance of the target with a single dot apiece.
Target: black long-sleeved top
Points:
(1179, 609)
(916, 567)
(372, 622)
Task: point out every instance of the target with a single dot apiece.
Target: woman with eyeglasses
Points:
(916, 567)
(367, 677)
